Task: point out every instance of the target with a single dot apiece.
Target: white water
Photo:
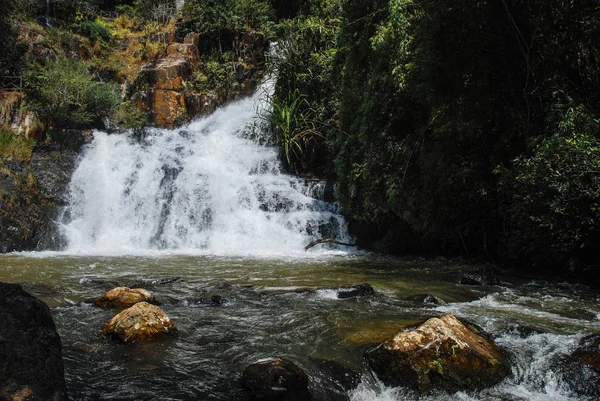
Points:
(214, 186)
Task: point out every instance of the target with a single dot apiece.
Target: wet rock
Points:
(140, 322)
(427, 299)
(346, 378)
(581, 370)
(588, 352)
(442, 353)
(361, 290)
(215, 300)
(31, 366)
(124, 296)
(276, 380)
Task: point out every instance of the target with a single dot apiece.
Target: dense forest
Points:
(450, 127)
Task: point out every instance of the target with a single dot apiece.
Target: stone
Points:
(192, 38)
(124, 296)
(31, 366)
(442, 353)
(361, 290)
(581, 370)
(188, 50)
(489, 278)
(140, 322)
(167, 73)
(276, 380)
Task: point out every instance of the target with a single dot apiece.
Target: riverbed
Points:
(271, 306)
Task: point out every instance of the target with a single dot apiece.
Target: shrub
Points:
(130, 117)
(92, 30)
(13, 146)
(64, 95)
(552, 198)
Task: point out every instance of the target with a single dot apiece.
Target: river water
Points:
(207, 210)
(267, 313)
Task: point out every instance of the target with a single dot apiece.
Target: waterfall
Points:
(215, 186)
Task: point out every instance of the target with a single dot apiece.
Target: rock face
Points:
(124, 296)
(142, 321)
(165, 87)
(444, 353)
(31, 366)
(32, 194)
(276, 380)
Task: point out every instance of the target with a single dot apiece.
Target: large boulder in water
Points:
(31, 366)
(124, 296)
(142, 321)
(445, 353)
(276, 380)
(360, 290)
(581, 370)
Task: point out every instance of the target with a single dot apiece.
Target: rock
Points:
(276, 380)
(588, 352)
(188, 50)
(31, 366)
(124, 296)
(427, 299)
(215, 300)
(580, 371)
(444, 353)
(140, 322)
(346, 378)
(192, 38)
(361, 290)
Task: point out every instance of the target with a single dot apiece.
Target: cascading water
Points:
(215, 185)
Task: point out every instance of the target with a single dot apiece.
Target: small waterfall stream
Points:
(215, 185)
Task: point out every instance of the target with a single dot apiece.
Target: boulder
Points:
(140, 322)
(188, 50)
(361, 290)
(581, 370)
(442, 353)
(427, 299)
(31, 366)
(124, 296)
(276, 380)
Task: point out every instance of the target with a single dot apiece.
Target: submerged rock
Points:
(140, 322)
(445, 353)
(276, 380)
(361, 290)
(215, 300)
(31, 366)
(427, 299)
(124, 296)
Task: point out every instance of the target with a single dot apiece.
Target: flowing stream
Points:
(207, 211)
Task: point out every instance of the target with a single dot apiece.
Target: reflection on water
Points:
(286, 307)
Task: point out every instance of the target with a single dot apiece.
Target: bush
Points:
(552, 198)
(64, 95)
(130, 117)
(92, 30)
(13, 146)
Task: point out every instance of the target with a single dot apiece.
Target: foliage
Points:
(258, 14)
(154, 10)
(63, 95)
(307, 85)
(130, 117)
(92, 30)
(551, 199)
(436, 94)
(208, 15)
(13, 146)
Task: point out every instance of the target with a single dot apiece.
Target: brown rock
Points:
(167, 107)
(167, 73)
(140, 322)
(192, 38)
(188, 50)
(124, 296)
(444, 352)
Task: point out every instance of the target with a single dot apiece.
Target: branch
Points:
(326, 240)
